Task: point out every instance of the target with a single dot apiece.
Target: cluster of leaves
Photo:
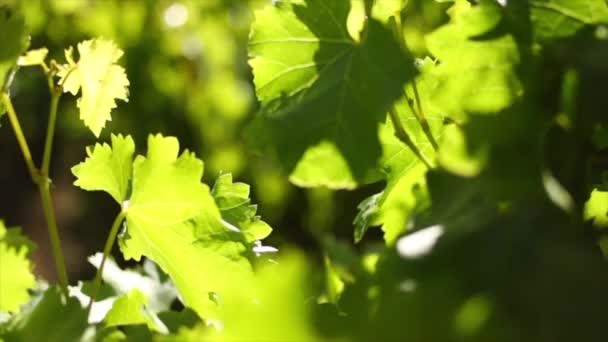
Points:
(490, 146)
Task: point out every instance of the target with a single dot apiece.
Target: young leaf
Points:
(476, 70)
(173, 220)
(99, 78)
(33, 57)
(324, 100)
(233, 201)
(107, 168)
(15, 273)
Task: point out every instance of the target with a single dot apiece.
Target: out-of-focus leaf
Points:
(16, 276)
(596, 208)
(130, 309)
(33, 57)
(53, 319)
(561, 18)
(477, 61)
(13, 36)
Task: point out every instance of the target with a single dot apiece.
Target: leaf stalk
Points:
(106, 252)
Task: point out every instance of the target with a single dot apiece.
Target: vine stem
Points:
(43, 183)
(50, 131)
(47, 206)
(402, 135)
(25, 150)
(106, 252)
(422, 118)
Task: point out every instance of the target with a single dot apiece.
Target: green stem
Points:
(47, 206)
(422, 118)
(106, 252)
(402, 135)
(50, 132)
(25, 150)
(43, 183)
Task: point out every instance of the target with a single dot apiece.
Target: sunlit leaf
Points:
(33, 57)
(16, 276)
(98, 77)
(477, 61)
(107, 168)
(233, 201)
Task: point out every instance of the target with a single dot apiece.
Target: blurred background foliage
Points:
(187, 64)
(512, 272)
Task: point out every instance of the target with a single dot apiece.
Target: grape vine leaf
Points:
(476, 70)
(266, 308)
(172, 219)
(16, 275)
(13, 237)
(107, 168)
(52, 318)
(233, 201)
(33, 57)
(561, 18)
(323, 101)
(98, 77)
(404, 172)
(131, 309)
(596, 208)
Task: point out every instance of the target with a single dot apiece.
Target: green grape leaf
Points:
(16, 275)
(131, 309)
(14, 38)
(384, 9)
(233, 201)
(323, 100)
(13, 237)
(269, 310)
(476, 70)
(53, 318)
(107, 168)
(98, 77)
(33, 57)
(173, 220)
(596, 208)
(561, 18)
(404, 172)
